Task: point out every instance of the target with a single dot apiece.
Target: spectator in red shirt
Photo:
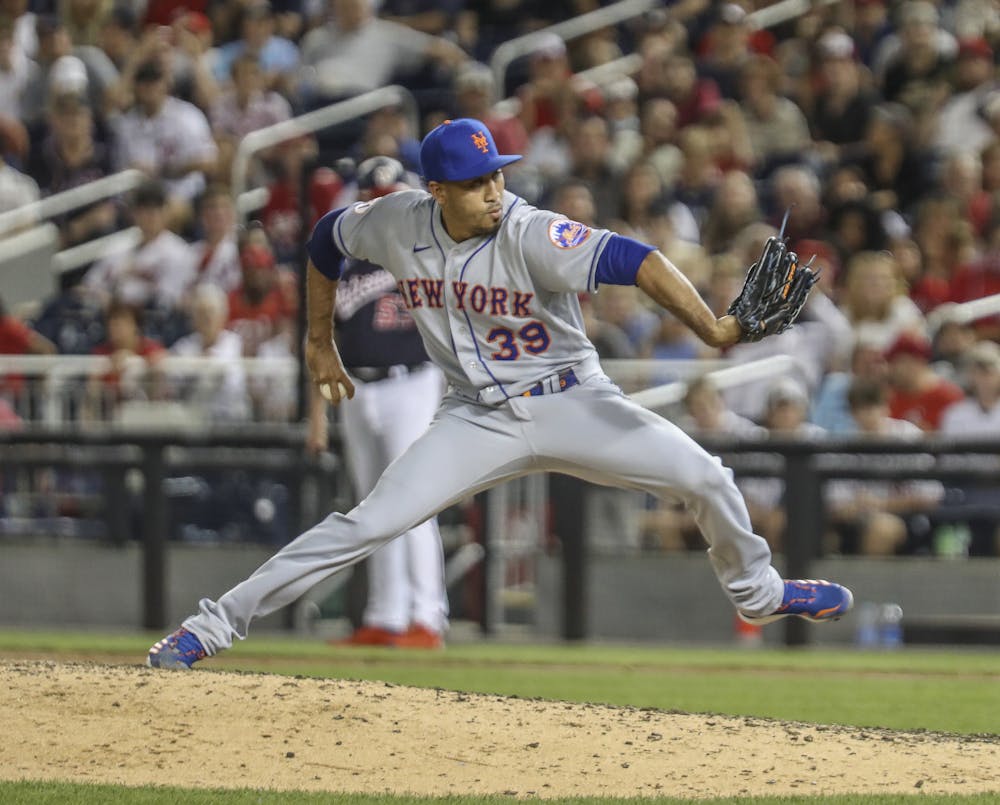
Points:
(697, 99)
(133, 356)
(551, 97)
(980, 278)
(918, 394)
(264, 305)
(17, 338)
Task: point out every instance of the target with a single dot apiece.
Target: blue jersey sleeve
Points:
(321, 247)
(619, 262)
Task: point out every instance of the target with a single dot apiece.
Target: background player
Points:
(492, 285)
(397, 390)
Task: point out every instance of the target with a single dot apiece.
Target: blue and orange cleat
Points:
(817, 601)
(177, 651)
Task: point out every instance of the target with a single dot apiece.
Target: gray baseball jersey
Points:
(500, 315)
(496, 315)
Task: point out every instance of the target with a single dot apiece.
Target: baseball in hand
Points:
(327, 392)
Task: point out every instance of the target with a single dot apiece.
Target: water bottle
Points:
(951, 540)
(890, 626)
(867, 633)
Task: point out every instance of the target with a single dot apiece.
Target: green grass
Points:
(954, 691)
(31, 793)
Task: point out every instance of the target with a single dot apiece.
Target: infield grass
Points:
(947, 691)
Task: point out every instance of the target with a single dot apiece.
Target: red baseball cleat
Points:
(419, 636)
(369, 636)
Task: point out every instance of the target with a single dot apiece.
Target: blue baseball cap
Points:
(460, 149)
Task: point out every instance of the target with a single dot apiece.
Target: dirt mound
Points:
(133, 726)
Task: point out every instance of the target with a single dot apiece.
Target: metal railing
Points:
(308, 123)
(276, 450)
(508, 52)
(117, 242)
(724, 374)
(52, 390)
(609, 71)
(964, 312)
(804, 465)
(780, 12)
(74, 198)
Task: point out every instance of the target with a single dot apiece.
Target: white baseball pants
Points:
(406, 575)
(592, 431)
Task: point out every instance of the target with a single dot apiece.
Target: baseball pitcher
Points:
(492, 285)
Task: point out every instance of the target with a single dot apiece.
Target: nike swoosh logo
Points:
(420, 249)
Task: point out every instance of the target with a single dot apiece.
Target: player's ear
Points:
(436, 189)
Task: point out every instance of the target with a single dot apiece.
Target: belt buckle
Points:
(566, 379)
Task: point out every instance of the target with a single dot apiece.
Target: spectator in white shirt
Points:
(216, 255)
(875, 302)
(16, 70)
(247, 106)
(223, 393)
(64, 66)
(158, 271)
(356, 51)
(960, 125)
(704, 414)
(978, 415)
(16, 188)
(785, 416)
(166, 137)
(881, 518)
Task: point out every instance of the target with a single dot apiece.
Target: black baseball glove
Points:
(774, 291)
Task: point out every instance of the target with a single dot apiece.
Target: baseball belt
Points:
(566, 380)
(373, 374)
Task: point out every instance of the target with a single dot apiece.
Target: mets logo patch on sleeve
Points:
(567, 234)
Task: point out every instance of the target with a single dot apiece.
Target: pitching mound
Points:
(134, 726)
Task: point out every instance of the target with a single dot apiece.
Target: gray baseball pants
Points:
(592, 431)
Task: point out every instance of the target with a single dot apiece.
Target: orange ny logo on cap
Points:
(479, 140)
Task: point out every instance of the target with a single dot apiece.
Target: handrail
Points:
(616, 68)
(30, 240)
(780, 12)
(964, 312)
(512, 49)
(71, 199)
(104, 246)
(309, 122)
(61, 377)
(250, 200)
(68, 365)
(669, 393)
(638, 368)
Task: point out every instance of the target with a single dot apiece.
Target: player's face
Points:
(472, 208)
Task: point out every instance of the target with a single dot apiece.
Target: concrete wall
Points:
(675, 597)
(671, 597)
(66, 582)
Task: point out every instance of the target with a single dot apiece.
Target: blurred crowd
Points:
(876, 124)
